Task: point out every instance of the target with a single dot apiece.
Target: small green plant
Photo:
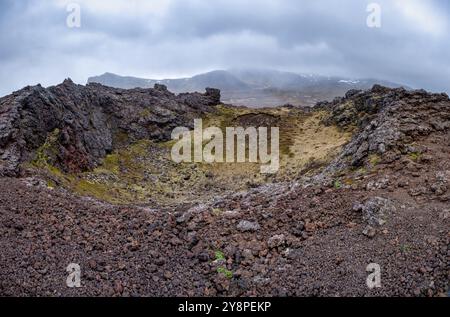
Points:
(228, 274)
(404, 248)
(216, 212)
(111, 163)
(414, 156)
(219, 255)
(337, 184)
(51, 184)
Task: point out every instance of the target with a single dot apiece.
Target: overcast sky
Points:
(174, 38)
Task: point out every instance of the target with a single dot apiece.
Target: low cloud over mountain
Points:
(253, 87)
(177, 38)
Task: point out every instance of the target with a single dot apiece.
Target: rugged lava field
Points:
(86, 177)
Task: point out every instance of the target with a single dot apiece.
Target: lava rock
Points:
(245, 226)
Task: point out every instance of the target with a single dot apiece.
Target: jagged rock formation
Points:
(387, 122)
(86, 122)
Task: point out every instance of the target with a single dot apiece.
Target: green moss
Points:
(288, 129)
(126, 162)
(374, 159)
(56, 171)
(228, 274)
(104, 191)
(51, 184)
(414, 156)
(47, 151)
(111, 163)
(167, 144)
(120, 177)
(224, 117)
(44, 158)
(219, 255)
(92, 188)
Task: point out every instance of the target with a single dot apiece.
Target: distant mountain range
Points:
(253, 87)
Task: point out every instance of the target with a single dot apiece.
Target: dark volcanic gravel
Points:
(310, 242)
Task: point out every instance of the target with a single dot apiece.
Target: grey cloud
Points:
(191, 36)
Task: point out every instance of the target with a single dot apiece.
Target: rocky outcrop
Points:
(75, 126)
(375, 212)
(386, 122)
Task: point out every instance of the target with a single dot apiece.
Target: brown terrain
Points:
(86, 178)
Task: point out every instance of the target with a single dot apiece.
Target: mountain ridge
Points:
(253, 87)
